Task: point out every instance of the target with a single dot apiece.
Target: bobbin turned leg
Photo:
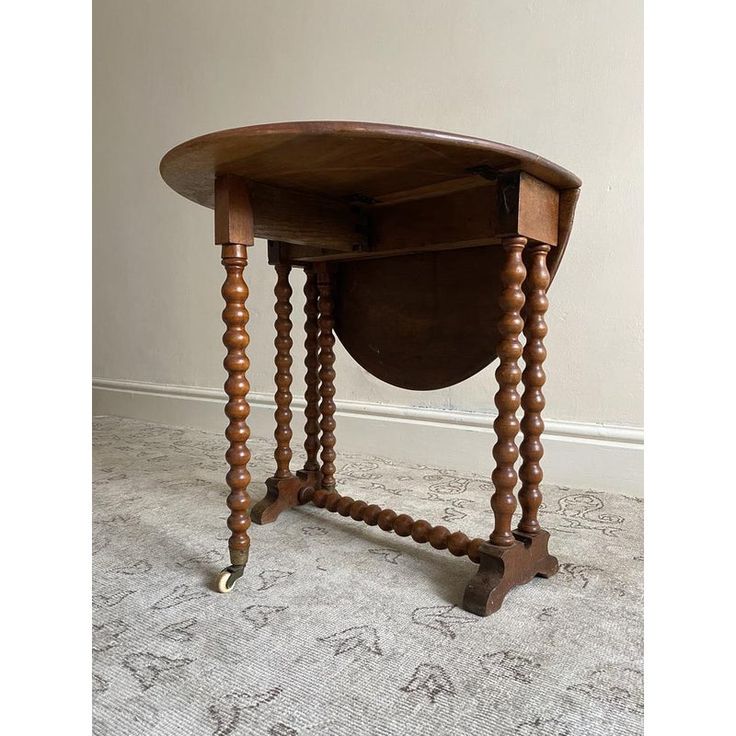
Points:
(310, 475)
(532, 402)
(234, 231)
(508, 559)
(326, 378)
(235, 316)
(283, 487)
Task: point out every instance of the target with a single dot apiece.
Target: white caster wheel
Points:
(226, 579)
(224, 582)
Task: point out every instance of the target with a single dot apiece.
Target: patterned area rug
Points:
(339, 628)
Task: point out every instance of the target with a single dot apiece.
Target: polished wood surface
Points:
(346, 160)
(340, 187)
(427, 322)
(428, 254)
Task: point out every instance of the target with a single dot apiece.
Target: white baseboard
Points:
(577, 454)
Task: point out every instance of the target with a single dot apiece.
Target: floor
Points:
(339, 628)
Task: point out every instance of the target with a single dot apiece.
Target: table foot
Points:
(502, 568)
(282, 494)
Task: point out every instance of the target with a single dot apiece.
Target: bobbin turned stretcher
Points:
(428, 255)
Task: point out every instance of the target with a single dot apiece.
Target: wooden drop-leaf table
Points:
(428, 254)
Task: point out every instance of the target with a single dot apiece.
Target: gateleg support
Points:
(282, 490)
(514, 557)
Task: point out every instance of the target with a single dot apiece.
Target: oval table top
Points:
(343, 159)
(423, 320)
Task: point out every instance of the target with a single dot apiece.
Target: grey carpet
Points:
(339, 628)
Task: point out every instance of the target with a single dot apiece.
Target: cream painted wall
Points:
(562, 78)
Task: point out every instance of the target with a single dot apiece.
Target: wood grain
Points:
(341, 159)
(233, 212)
(306, 218)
